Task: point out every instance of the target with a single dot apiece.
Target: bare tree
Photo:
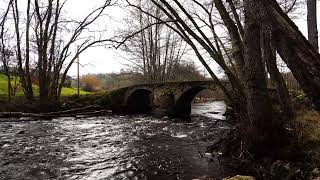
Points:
(155, 50)
(24, 74)
(50, 37)
(6, 52)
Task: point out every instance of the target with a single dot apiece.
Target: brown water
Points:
(113, 147)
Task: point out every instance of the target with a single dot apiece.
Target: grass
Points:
(72, 91)
(304, 150)
(308, 125)
(65, 91)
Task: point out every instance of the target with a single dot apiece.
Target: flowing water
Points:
(114, 147)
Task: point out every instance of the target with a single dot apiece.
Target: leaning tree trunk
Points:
(259, 130)
(300, 56)
(312, 23)
(269, 56)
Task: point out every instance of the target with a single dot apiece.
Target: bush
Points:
(90, 83)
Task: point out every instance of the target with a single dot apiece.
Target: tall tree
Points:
(260, 126)
(24, 76)
(5, 53)
(269, 57)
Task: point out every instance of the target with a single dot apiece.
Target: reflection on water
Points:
(213, 110)
(113, 147)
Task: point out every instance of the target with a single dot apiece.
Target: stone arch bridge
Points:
(173, 97)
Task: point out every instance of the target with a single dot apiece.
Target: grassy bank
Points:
(19, 93)
(300, 158)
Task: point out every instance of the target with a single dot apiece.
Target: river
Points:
(114, 147)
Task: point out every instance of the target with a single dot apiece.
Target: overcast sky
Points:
(106, 60)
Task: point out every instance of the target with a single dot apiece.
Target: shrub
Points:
(90, 83)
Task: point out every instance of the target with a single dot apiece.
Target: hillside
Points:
(4, 89)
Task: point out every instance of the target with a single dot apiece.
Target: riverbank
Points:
(20, 104)
(298, 157)
(72, 106)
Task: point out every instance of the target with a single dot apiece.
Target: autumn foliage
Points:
(90, 83)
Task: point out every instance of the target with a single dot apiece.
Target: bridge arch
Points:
(139, 100)
(182, 106)
(174, 98)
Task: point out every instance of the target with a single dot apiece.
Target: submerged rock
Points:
(6, 163)
(229, 111)
(21, 132)
(6, 145)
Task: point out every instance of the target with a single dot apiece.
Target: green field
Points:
(4, 89)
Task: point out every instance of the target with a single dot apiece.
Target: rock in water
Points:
(21, 132)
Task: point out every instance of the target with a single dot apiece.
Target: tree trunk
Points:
(300, 56)
(269, 55)
(26, 87)
(27, 55)
(260, 128)
(9, 86)
(312, 23)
